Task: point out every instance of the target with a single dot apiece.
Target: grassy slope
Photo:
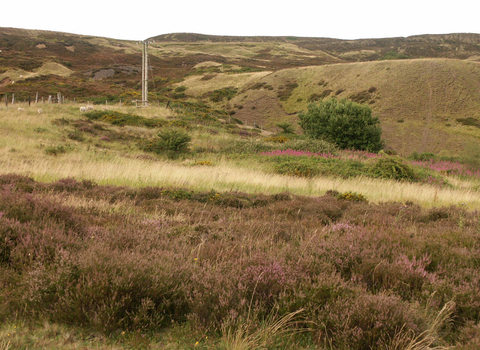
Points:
(417, 101)
(25, 136)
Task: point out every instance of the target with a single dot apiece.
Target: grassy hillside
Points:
(422, 104)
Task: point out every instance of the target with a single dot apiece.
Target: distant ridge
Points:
(466, 38)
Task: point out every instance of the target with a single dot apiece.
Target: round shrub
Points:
(175, 140)
(345, 123)
(392, 168)
(301, 168)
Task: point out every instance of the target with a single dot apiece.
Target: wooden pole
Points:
(13, 99)
(36, 98)
(145, 74)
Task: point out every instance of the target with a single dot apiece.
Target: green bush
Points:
(220, 95)
(392, 168)
(347, 124)
(56, 150)
(352, 196)
(302, 167)
(393, 55)
(170, 140)
(287, 128)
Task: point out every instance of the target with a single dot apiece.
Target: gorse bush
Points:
(392, 168)
(303, 167)
(352, 196)
(277, 139)
(174, 140)
(347, 124)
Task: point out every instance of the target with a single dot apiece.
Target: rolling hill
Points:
(423, 88)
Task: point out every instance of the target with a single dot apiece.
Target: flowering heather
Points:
(448, 168)
(363, 275)
(295, 153)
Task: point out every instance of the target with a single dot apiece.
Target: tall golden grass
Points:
(227, 176)
(21, 152)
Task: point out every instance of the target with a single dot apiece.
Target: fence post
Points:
(13, 99)
(36, 98)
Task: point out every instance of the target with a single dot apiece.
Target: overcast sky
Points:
(347, 19)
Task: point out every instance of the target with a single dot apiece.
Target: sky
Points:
(347, 19)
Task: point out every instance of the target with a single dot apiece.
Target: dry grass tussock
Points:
(427, 339)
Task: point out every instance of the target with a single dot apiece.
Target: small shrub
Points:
(299, 167)
(76, 135)
(392, 168)
(220, 95)
(175, 140)
(181, 89)
(393, 55)
(56, 150)
(276, 139)
(287, 128)
(352, 197)
(203, 163)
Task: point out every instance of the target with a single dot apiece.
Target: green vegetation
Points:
(392, 168)
(220, 95)
(179, 227)
(174, 140)
(345, 123)
(123, 119)
(394, 55)
(287, 128)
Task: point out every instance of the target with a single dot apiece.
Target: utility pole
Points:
(145, 74)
